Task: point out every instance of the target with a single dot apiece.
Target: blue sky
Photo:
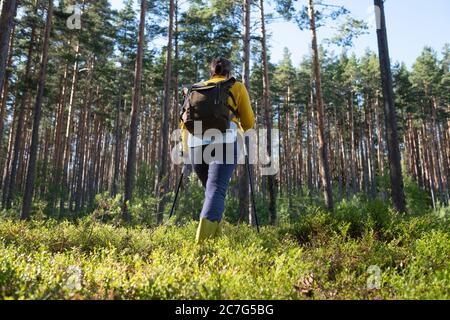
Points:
(412, 24)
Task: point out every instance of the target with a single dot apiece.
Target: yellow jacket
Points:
(246, 119)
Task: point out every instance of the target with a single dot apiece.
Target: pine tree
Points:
(162, 177)
(243, 180)
(323, 148)
(267, 115)
(131, 161)
(396, 176)
(29, 186)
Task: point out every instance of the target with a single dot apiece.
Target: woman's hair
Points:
(221, 67)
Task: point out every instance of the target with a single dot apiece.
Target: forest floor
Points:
(360, 251)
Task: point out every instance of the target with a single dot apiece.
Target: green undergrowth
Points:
(363, 250)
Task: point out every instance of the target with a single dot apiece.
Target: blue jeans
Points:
(215, 177)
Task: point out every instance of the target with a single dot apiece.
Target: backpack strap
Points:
(186, 91)
(230, 94)
(234, 111)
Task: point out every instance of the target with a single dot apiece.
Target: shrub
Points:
(322, 255)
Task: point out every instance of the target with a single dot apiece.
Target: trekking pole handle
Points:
(245, 148)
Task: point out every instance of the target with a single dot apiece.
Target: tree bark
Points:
(287, 150)
(323, 148)
(4, 93)
(57, 152)
(267, 116)
(299, 151)
(10, 191)
(117, 148)
(29, 186)
(131, 161)
(381, 143)
(68, 132)
(164, 138)
(243, 180)
(370, 148)
(309, 162)
(353, 161)
(396, 177)
(82, 128)
(7, 166)
(6, 21)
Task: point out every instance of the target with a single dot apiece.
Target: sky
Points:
(411, 25)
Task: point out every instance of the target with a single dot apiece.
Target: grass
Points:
(322, 256)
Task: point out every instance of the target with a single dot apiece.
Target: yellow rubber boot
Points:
(206, 229)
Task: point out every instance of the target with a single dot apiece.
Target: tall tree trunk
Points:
(93, 162)
(267, 116)
(429, 164)
(98, 158)
(445, 161)
(10, 191)
(309, 162)
(338, 154)
(287, 150)
(68, 132)
(7, 166)
(352, 143)
(280, 180)
(396, 177)
(436, 147)
(117, 148)
(323, 149)
(131, 161)
(343, 160)
(299, 151)
(29, 186)
(381, 143)
(4, 93)
(243, 179)
(82, 128)
(24, 147)
(164, 138)
(176, 77)
(44, 161)
(417, 161)
(6, 21)
(370, 148)
(58, 145)
(154, 139)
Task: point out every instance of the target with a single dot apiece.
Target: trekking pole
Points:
(176, 193)
(247, 164)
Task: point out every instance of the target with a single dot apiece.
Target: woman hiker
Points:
(215, 175)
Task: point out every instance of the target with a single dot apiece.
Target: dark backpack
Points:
(208, 103)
